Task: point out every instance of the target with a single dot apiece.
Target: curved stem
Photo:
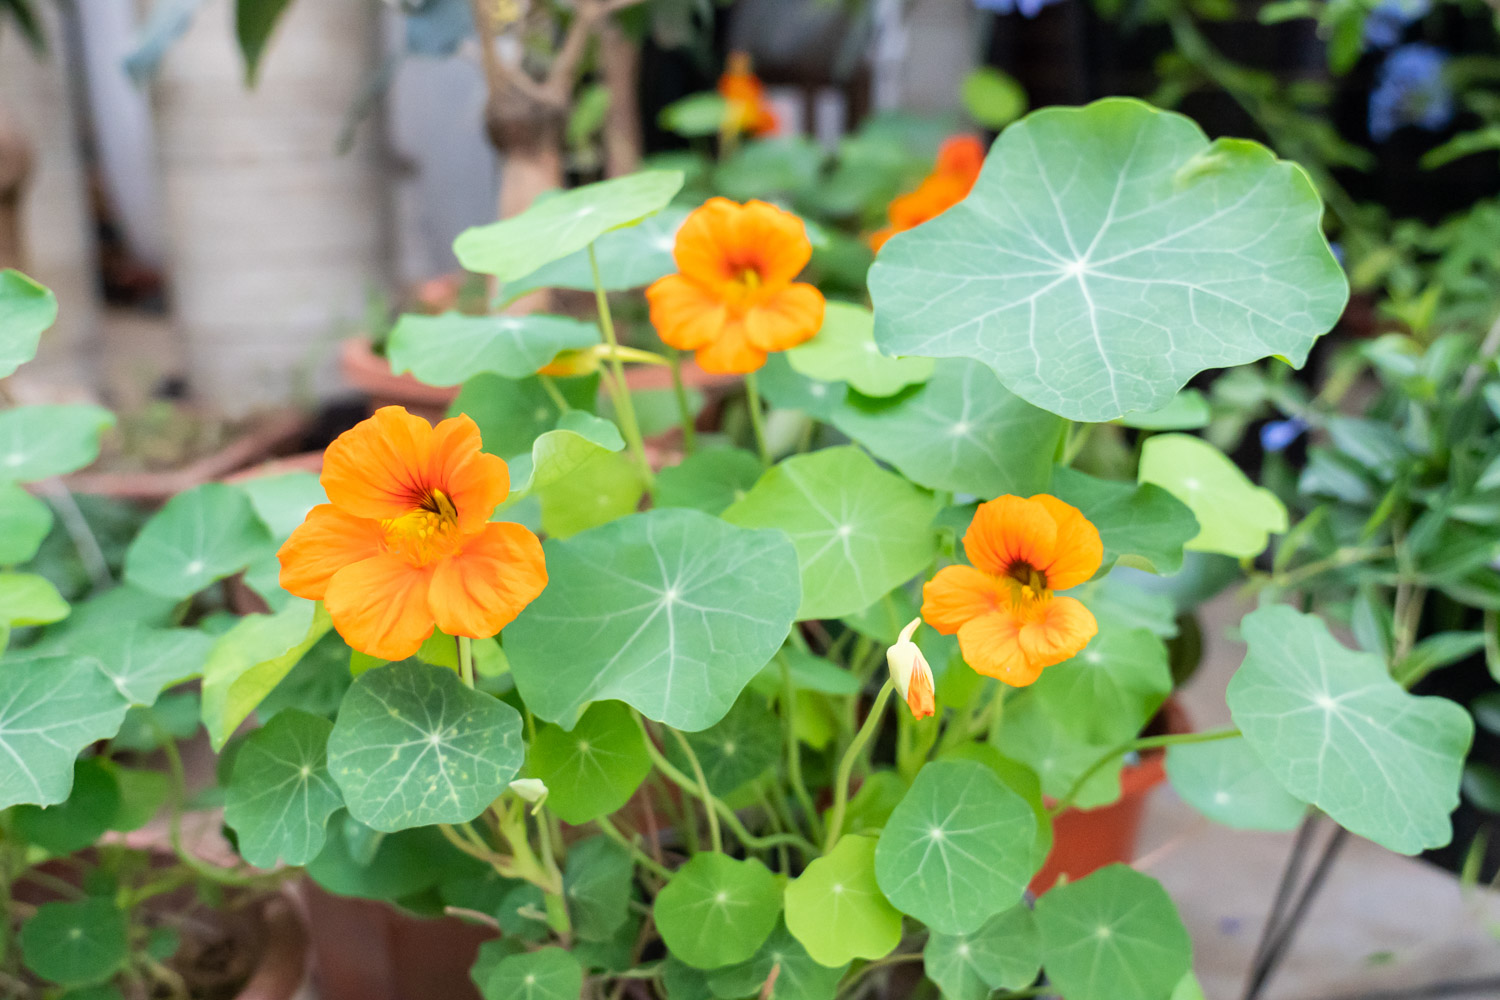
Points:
(715, 837)
(624, 406)
(641, 857)
(466, 660)
(684, 411)
(549, 385)
(846, 766)
(757, 425)
(793, 744)
(1145, 743)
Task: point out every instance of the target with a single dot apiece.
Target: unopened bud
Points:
(532, 790)
(910, 673)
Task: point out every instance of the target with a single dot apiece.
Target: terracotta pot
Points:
(1085, 840)
(283, 969)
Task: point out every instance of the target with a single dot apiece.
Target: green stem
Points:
(1145, 743)
(715, 837)
(684, 411)
(624, 406)
(643, 859)
(794, 745)
(846, 766)
(554, 393)
(757, 426)
(466, 660)
(213, 873)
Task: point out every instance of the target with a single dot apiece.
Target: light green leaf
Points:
(24, 522)
(628, 258)
(142, 661)
(513, 413)
(1113, 935)
(280, 794)
(798, 975)
(1186, 411)
(545, 974)
(80, 820)
(1235, 517)
(844, 351)
(695, 115)
(1141, 525)
(27, 309)
(597, 883)
(836, 910)
(603, 488)
(962, 432)
(957, 850)
(809, 673)
(38, 442)
(453, 348)
(1002, 954)
(282, 502)
(859, 530)
(29, 599)
(553, 228)
(992, 98)
(1101, 288)
(671, 611)
(1038, 739)
(717, 910)
(735, 750)
(594, 769)
(249, 660)
(1225, 781)
(1336, 731)
(413, 747)
(557, 454)
(786, 389)
(708, 480)
(200, 536)
(76, 944)
(1107, 693)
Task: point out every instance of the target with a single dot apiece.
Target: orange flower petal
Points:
(1010, 530)
(771, 239)
(686, 314)
(789, 317)
(475, 481)
(1079, 551)
(482, 588)
(732, 353)
(961, 155)
(326, 542)
(1060, 631)
(705, 240)
(879, 237)
(958, 594)
(919, 694)
(991, 644)
(376, 468)
(380, 607)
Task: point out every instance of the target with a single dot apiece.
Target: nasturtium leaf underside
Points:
(1002, 954)
(76, 943)
(200, 536)
(557, 226)
(452, 348)
(1107, 692)
(844, 351)
(247, 662)
(80, 820)
(37, 442)
(962, 431)
(1186, 411)
(836, 910)
(1226, 781)
(717, 910)
(859, 531)
(593, 769)
(545, 974)
(1235, 517)
(671, 611)
(24, 522)
(1337, 731)
(280, 794)
(1113, 935)
(1106, 255)
(556, 454)
(708, 480)
(29, 599)
(51, 708)
(597, 883)
(798, 975)
(738, 748)
(26, 310)
(1142, 525)
(413, 746)
(957, 850)
(628, 258)
(142, 661)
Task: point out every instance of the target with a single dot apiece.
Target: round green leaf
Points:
(1107, 693)
(957, 850)
(1235, 517)
(717, 910)
(38, 442)
(628, 258)
(836, 909)
(413, 746)
(51, 707)
(1113, 935)
(1225, 781)
(993, 98)
(1002, 954)
(142, 661)
(29, 599)
(1101, 287)
(74, 824)
(1141, 525)
(280, 794)
(735, 750)
(594, 769)
(453, 348)
(604, 487)
(859, 531)
(671, 611)
(557, 226)
(962, 432)
(708, 480)
(557, 454)
(1335, 730)
(683, 982)
(75, 944)
(798, 976)
(597, 883)
(24, 522)
(512, 413)
(27, 309)
(844, 351)
(545, 974)
(200, 536)
(695, 115)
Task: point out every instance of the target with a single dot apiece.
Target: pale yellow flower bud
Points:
(910, 673)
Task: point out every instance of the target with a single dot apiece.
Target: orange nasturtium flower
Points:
(406, 542)
(958, 164)
(745, 96)
(1010, 625)
(733, 299)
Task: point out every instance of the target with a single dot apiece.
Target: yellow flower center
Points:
(1028, 587)
(429, 531)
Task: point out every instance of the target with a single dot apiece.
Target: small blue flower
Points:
(1410, 90)
(1026, 8)
(1278, 435)
(1385, 25)
(1338, 254)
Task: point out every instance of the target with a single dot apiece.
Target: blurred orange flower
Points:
(958, 164)
(1010, 624)
(733, 299)
(746, 96)
(406, 543)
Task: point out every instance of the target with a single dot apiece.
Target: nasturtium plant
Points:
(717, 910)
(798, 975)
(51, 708)
(836, 909)
(76, 943)
(844, 351)
(200, 536)
(1004, 953)
(38, 442)
(592, 769)
(1234, 516)
(452, 348)
(1143, 525)
(27, 309)
(628, 258)
(247, 662)
(280, 794)
(24, 523)
(709, 480)
(1226, 781)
